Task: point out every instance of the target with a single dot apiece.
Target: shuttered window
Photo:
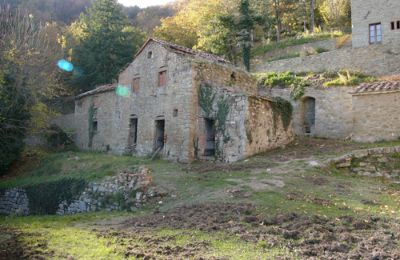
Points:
(162, 78)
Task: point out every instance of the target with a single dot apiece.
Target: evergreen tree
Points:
(106, 44)
(246, 25)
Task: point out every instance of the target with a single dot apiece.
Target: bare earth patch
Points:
(312, 237)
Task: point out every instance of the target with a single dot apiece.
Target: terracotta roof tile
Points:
(385, 86)
(99, 89)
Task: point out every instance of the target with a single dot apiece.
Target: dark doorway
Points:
(132, 139)
(159, 138)
(309, 114)
(209, 149)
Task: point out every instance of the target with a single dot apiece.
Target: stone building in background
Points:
(375, 22)
(183, 105)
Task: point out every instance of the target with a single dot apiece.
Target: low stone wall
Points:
(333, 110)
(375, 162)
(14, 202)
(327, 45)
(375, 60)
(125, 191)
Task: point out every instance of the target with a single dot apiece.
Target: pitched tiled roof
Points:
(184, 50)
(99, 89)
(385, 86)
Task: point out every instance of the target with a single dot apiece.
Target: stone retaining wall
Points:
(375, 162)
(125, 191)
(327, 45)
(374, 59)
(14, 202)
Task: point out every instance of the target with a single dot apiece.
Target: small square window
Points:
(392, 26)
(398, 24)
(162, 78)
(175, 113)
(150, 55)
(136, 85)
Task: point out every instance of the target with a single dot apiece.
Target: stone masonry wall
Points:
(125, 191)
(149, 103)
(103, 138)
(376, 117)
(374, 60)
(265, 130)
(375, 162)
(327, 45)
(333, 110)
(171, 102)
(14, 202)
(366, 12)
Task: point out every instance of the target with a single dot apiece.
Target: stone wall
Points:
(375, 162)
(147, 104)
(236, 90)
(374, 60)
(265, 127)
(333, 110)
(376, 116)
(327, 45)
(366, 12)
(125, 191)
(14, 202)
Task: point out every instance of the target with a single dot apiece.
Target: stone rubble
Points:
(125, 191)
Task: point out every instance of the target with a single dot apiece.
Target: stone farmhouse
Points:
(183, 105)
(367, 113)
(375, 22)
(374, 48)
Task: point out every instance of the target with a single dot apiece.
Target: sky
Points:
(143, 3)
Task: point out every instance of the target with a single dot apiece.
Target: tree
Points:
(28, 52)
(246, 25)
(101, 43)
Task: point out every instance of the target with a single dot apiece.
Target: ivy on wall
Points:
(90, 121)
(206, 99)
(282, 109)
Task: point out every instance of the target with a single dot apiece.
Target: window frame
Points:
(162, 77)
(375, 26)
(135, 88)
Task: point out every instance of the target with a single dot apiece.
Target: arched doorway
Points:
(308, 115)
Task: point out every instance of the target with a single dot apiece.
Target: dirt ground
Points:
(301, 148)
(310, 237)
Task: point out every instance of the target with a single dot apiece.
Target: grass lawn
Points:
(275, 185)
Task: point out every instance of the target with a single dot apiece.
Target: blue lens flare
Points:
(65, 65)
(123, 91)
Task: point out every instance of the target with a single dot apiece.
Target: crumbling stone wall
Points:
(376, 116)
(333, 110)
(375, 60)
(366, 12)
(265, 127)
(375, 162)
(237, 114)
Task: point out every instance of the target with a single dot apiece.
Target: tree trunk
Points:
(312, 12)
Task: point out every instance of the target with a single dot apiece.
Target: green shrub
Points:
(321, 50)
(44, 198)
(349, 78)
(285, 79)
